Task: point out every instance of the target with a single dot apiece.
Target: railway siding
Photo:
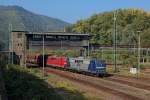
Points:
(115, 88)
(131, 82)
(123, 88)
(141, 78)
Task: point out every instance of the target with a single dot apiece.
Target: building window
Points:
(63, 37)
(36, 36)
(48, 37)
(75, 38)
(19, 35)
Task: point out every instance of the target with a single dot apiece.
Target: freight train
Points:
(79, 64)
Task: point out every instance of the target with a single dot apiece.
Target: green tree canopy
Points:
(101, 27)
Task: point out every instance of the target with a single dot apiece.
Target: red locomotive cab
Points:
(62, 62)
(57, 61)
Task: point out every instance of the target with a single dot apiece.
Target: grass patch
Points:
(67, 90)
(125, 71)
(122, 70)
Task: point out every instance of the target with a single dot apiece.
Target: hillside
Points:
(20, 19)
(129, 23)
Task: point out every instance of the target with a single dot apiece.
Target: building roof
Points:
(53, 33)
(58, 33)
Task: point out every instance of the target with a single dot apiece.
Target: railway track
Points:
(131, 82)
(126, 91)
(143, 79)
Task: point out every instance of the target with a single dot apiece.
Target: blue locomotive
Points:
(93, 66)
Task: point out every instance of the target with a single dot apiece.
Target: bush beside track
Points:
(3, 95)
(21, 84)
(29, 84)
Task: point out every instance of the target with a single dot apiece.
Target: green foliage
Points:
(4, 59)
(144, 65)
(145, 37)
(29, 84)
(101, 27)
(22, 85)
(131, 61)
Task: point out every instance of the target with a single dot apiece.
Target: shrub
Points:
(22, 85)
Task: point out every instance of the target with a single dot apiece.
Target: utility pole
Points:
(102, 53)
(115, 42)
(88, 49)
(43, 54)
(139, 56)
(12, 55)
(10, 44)
(61, 44)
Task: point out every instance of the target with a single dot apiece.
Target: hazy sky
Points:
(73, 10)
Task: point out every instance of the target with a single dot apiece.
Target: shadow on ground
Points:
(109, 75)
(22, 85)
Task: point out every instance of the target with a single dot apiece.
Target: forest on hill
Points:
(129, 24)
(19, 19)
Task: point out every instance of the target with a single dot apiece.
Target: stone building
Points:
(22, 41)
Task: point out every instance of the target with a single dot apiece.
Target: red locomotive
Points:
(57, 61)
(49, 60)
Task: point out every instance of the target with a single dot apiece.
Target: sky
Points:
(74, 10)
